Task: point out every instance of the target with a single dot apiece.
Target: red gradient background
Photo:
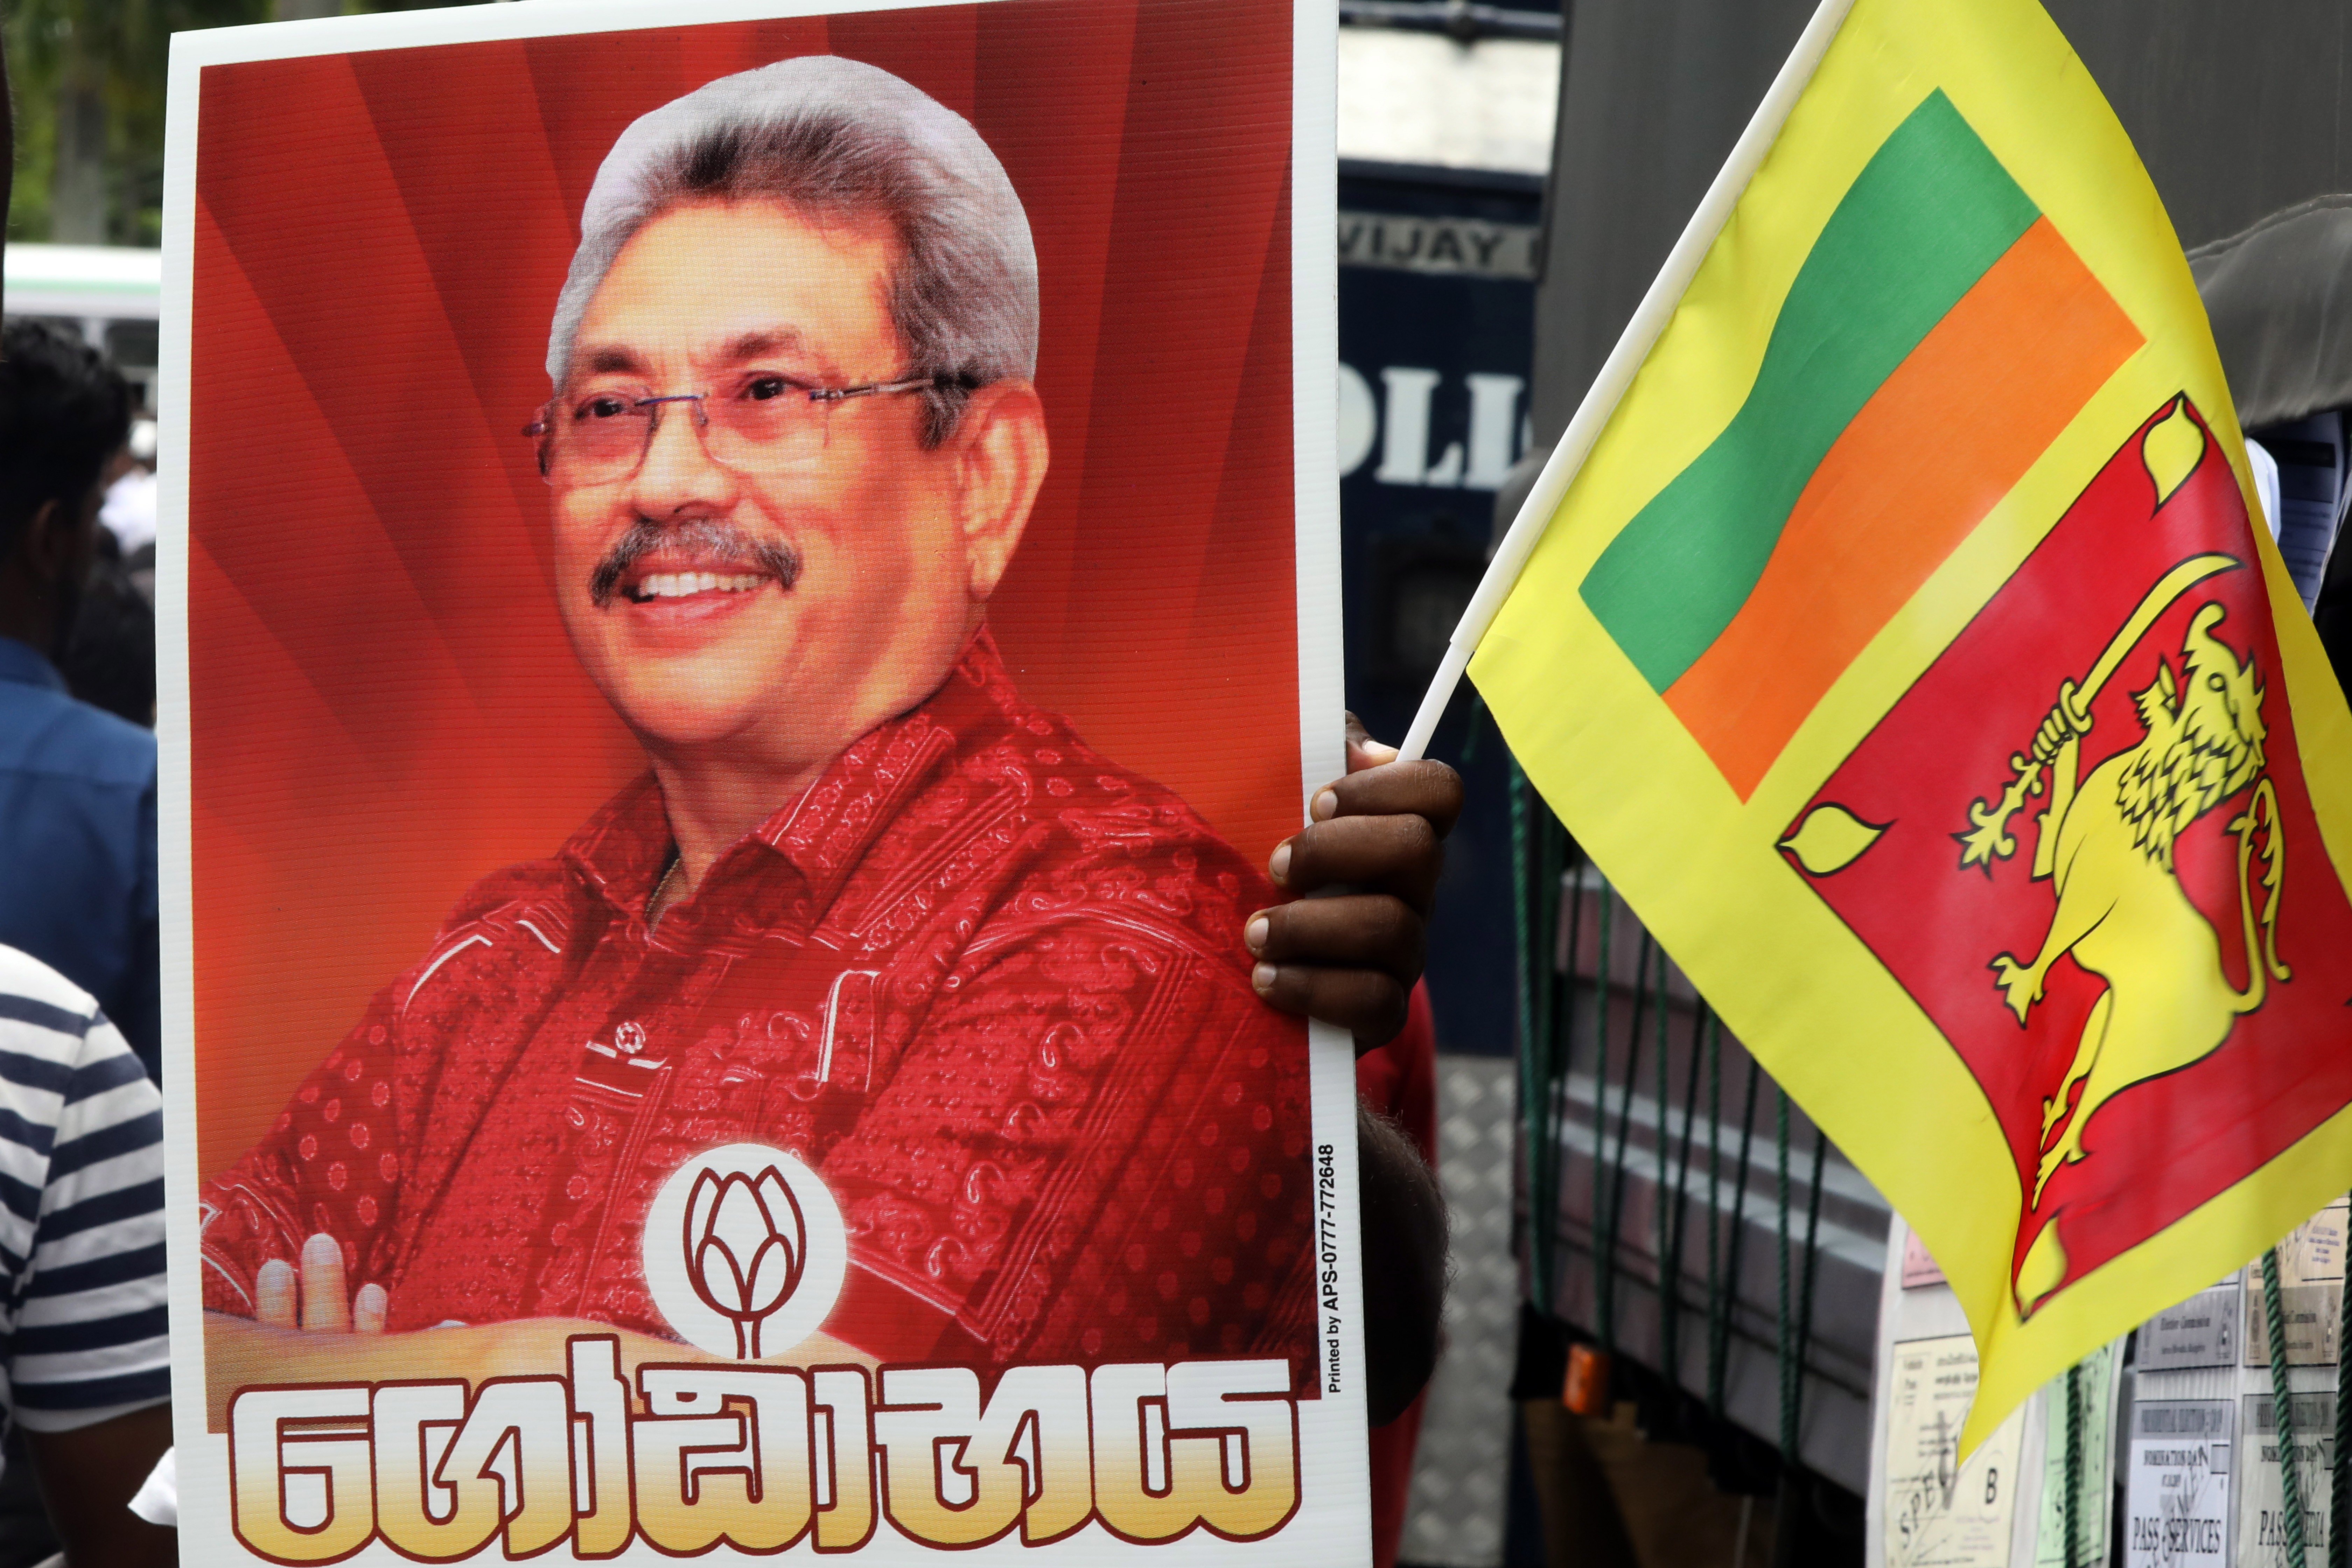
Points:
(382, 704)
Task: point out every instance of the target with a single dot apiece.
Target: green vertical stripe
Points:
(1928, 215)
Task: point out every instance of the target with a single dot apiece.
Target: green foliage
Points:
(116, 51)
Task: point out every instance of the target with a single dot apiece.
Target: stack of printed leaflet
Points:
(2168, 1435)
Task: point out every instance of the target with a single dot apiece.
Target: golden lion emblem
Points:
(2106, 844)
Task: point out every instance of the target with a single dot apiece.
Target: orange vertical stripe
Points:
(1951, 433)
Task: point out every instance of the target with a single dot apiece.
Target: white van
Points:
(110, 294)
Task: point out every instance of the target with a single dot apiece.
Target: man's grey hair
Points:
(839, 141)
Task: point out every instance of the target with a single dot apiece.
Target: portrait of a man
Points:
(868, 903)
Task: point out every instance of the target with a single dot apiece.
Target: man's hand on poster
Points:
(316, 1298)
(1364, 869)
(309, 1327)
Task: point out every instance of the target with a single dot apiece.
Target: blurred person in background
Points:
(87, 1365)
(78, 877)
(128, 513)
(85, 1349)
(109, 655)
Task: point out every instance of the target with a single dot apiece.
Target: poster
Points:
(2177, 1496)
(2201, 1331)
(2313, 1250)
(1919, 1269)
(739, 618)
(2311, 1314)
(2262, 1506)
(1941, 1513)
(2311, 1293)
(2093, 1389)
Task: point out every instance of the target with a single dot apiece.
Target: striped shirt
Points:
(82, 1302)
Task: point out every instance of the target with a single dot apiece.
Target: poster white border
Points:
(1333, 1526)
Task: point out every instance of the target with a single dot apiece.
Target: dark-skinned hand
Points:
(1348, 952)
(1364, 871)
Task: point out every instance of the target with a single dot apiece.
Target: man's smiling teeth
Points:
(679, 584)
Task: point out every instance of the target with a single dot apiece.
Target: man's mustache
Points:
(713, 543)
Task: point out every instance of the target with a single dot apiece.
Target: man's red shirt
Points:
(986, 983)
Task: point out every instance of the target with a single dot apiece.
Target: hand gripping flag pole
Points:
(1633, 345)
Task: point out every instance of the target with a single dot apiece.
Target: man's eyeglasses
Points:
(603, 434)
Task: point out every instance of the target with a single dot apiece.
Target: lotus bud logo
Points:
(746, 1245)
(745, 1251)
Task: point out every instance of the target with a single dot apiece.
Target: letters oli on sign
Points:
(1398, 421)
(761, 1457)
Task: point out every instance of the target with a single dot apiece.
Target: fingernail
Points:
(276, 1299)
(369, 1308)
(1378, 751)
(322, 1251)
(1253, 933)
(1261, 978)
(1325, 806)
(1278, 867)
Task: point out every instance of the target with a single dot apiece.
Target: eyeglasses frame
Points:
(542, 428)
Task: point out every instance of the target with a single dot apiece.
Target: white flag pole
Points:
(1641, 335)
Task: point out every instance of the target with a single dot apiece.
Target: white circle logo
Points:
(745, 1251)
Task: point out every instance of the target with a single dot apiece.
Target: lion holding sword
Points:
(2106, 843)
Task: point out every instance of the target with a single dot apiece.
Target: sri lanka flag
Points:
(1895, 636)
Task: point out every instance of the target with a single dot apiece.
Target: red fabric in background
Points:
(384, 706)
(1399, 1082)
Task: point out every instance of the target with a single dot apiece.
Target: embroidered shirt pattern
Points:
(986, 983)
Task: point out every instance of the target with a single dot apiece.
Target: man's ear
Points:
(44, 547)
(1001, 456)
